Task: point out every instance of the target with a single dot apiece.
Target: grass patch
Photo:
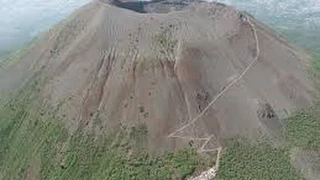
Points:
(303, 129)
(315, 61)
(30, 132)
(242, 160)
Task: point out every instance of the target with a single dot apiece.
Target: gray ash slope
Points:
(205, 71)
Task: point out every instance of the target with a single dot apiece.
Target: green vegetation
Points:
(303, 129)
(35, 142)
(242, 160)
(316, 62)
(315, 70)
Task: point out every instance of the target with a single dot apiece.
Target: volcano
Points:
(204, 72)
(194, 73)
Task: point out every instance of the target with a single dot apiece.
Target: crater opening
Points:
(153, 6)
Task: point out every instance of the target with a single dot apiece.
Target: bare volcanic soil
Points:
(194, 77)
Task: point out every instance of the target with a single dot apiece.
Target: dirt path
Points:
(211, 173)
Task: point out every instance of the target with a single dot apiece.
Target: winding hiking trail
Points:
(211, 173)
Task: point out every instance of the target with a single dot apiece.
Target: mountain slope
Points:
(194, 77)
(164, 70)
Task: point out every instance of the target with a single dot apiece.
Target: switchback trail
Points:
(211, 173)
